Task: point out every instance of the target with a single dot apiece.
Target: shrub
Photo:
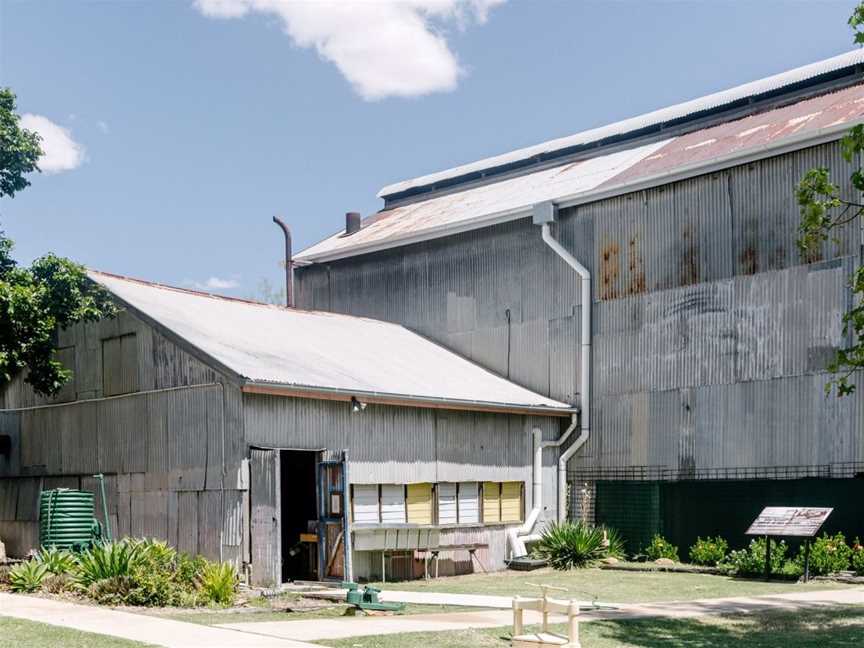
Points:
(4, 574)
(709, 551)
(751, 561)
(58, 561)
(568, 545)
(661, 548)
(219, 583)
(27, 576)
(108, 560)
(57, 583)
(857, 559)
(113, 590)
(188, 570)
(828, 554)
(615, 543)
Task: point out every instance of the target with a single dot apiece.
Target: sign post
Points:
(789, 521)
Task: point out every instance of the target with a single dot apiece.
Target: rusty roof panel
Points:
(513, 197)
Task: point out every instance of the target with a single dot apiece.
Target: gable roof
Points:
(803, 121)
(274, 349)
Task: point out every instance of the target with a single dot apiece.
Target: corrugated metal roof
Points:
(670, 113)
(314, 350)
(513, 197)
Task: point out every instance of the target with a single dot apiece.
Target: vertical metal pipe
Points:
(289, 263)
(346, 523)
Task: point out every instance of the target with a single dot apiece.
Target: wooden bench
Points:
(546, 606)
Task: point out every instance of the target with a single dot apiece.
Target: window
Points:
(392, 504)
(119, 365)
(458, 503)
(447, 507)
(444, 503)
(365, 502)
(491, 502)
(502, 502)
(418, 503)
(469, 502)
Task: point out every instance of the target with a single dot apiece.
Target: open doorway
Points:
(299, 503)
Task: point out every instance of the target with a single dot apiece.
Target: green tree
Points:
(824, 213)
(52, 294)
(19, 148)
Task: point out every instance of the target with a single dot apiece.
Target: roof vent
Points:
(352, 223)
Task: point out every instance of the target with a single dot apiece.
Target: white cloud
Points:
(384, 48)
(59, 151)
(103, 126)
(213, 283)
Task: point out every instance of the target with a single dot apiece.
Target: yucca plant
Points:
(108, 560)
(568, 545)
(58, 561)
(156, 553)
(219, 583)
(27, 576)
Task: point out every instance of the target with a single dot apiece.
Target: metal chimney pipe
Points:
(289, 263)
(352, 223)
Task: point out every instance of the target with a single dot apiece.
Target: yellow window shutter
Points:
(419, 503)
(491, 502)
(511, 502)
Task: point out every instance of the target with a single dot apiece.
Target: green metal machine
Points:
(67, 519)
(368, 599)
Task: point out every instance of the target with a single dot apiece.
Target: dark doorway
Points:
(299, 514)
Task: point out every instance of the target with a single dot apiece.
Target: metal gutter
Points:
(786, 145)
(404, 400)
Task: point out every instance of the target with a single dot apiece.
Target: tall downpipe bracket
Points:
(544, 214)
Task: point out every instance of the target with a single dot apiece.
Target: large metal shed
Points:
(709, 335)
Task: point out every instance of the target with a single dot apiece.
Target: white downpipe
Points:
(584, 370)
(518, 536)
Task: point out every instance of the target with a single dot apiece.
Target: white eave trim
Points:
(786, 145)
(385, 398)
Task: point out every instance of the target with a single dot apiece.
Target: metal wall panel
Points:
(396, 445)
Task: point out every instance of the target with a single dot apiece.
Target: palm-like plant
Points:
(568, 545)
(108, 560)
(58, 561)
(219, 583)
(27, 576)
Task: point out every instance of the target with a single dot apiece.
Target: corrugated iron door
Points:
(265, 502)
(331, 518)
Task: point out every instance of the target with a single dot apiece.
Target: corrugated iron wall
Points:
(398, 445)
(171, 451)
(711, 334)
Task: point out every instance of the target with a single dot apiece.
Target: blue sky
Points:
(197, 123)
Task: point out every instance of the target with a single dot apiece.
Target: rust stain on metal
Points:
(689, 268)
(609, 271)
(636, 267)
(748, 261)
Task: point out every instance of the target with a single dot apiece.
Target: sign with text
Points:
(789, 521)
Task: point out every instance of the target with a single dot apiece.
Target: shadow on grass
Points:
(823, 627)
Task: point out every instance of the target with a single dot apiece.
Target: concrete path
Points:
(137, 627)
(312, 629)
(435, 598)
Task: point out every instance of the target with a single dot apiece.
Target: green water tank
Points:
(66, 519)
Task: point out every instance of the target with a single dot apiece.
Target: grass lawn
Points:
(16, 633)
(827, 628)
(614, 586)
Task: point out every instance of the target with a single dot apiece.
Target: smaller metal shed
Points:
(362, 438)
